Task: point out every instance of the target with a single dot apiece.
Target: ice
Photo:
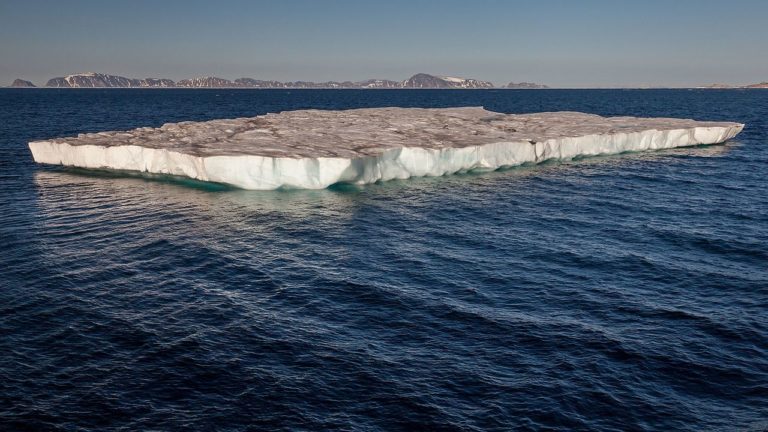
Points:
(314, 149)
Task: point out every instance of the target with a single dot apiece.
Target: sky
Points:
(562, 43)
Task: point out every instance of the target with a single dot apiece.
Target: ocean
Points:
(622, 293)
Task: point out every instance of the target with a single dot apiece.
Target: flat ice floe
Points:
(314, 149)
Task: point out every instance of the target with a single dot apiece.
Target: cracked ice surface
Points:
(314, 148)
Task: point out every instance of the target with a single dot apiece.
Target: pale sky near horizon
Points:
(589, 43)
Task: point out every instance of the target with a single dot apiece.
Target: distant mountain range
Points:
(525, 85)
(728, 86)
(420, 81)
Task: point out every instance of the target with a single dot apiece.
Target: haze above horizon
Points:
(593, 43)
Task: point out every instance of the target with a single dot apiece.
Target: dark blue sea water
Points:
(606, 294)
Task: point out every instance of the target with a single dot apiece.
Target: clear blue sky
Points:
(563, 43)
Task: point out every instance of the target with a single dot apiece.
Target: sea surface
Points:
(623, 293)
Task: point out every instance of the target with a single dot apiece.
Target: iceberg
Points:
(314, 149)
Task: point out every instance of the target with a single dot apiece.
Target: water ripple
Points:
(617, 293)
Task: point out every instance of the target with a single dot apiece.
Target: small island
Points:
(22, 83)
(526, 86)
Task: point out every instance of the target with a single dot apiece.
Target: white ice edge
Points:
(265, 173)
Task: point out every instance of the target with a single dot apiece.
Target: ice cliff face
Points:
(314, 149)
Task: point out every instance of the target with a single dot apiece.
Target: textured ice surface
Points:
(314, 149)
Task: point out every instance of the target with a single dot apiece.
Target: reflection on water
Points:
(131, 210)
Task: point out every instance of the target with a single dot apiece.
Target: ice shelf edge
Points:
(265, 173)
